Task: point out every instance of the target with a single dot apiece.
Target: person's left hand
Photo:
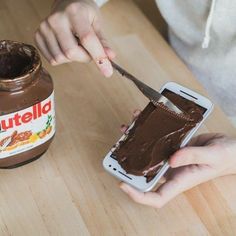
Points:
(206, 157)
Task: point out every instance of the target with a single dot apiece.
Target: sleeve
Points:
(101, 2)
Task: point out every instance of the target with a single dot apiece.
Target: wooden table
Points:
(67, 192)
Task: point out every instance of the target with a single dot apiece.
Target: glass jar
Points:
(27, 112)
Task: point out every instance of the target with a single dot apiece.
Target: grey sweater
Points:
(203, 34)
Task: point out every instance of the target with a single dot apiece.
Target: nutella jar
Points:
(27, 115)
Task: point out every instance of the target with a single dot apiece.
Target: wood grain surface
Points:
(67, 192)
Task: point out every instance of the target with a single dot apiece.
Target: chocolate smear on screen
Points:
(156, 135)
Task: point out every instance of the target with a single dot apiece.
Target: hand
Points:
(206, 157)
(69, 18)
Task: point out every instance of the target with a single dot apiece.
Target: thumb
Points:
(184, 179)
(192, 155)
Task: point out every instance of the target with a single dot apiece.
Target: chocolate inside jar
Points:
(15, 60)
(156, 135)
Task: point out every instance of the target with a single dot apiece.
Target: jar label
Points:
(26, 129)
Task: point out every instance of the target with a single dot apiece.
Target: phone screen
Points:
(155, 136)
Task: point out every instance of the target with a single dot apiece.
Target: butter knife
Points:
(155, 97)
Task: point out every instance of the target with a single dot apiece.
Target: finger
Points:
(192, 155)
(123, 128)
(149, 198)
(69, 44)
(52, 43)
(109, 52)
(97, 25)
(203, 139)
(186, 178)
(162, 180)
(43, 48)
(136, 114)
(91, 43)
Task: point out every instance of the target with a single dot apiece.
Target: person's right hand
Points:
(72, 32)
(206, 157)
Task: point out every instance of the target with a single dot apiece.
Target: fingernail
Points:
(105, 66)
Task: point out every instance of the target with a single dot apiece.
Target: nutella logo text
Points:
(28, 128)
(36, 112)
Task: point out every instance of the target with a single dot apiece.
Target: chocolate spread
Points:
(156, 135)
(27, 116)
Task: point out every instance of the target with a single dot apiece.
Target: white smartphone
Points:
(139, 182)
